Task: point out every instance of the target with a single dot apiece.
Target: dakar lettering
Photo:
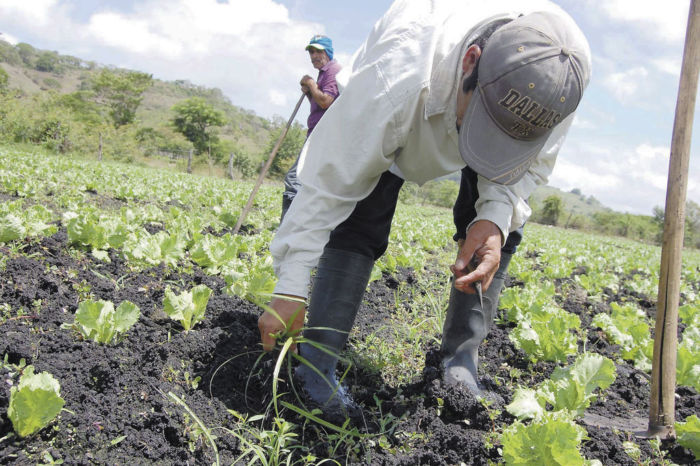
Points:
(529, 110)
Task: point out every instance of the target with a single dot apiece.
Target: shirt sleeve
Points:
(353, 144)
(506, 205)
(329, 86)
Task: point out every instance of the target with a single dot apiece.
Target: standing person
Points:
(321, 93)
(489, 88)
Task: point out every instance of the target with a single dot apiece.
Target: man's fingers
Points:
(267, 332)
(274, 322)
(268, 343)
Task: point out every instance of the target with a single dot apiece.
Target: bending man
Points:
(489, 88)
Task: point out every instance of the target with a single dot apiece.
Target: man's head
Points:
(530, 77)
(320, 50)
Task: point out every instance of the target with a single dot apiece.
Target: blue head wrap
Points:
(322, 43)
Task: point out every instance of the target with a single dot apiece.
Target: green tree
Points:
(692, 224)
(8, 53)
(289, 149)
(194, 118)
(122, 92)
(82, 107)
(47, 61)
(27, 53)
(4, 81)
(551, 210)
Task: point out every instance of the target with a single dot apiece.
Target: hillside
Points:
(34, 71)
(576, 201)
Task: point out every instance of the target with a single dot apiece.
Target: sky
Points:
(618, 149)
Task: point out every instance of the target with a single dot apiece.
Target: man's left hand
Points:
(483, 241)
(307, 82)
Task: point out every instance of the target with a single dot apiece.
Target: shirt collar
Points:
(444, 85)
(445, 79)
(327, 65)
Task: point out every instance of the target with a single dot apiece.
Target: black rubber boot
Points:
(466, 326)
(339, 285)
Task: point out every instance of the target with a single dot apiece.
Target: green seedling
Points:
(188, 307)
(569, 389)
(100, 322)
(554, 439)
(689, 434)
(35, 402)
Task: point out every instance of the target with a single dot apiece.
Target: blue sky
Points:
(618, 149)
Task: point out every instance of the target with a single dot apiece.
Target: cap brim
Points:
(490, 151)
(315, 46)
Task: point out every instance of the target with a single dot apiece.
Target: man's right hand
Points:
(306, 83)
(288, 317)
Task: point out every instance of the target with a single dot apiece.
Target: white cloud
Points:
(243, 47)
(132, 35)
(35, 12)
(628, 179)
(664, 20)
(8, 38)
(626, 86)
(667, 65)
(648, 165)
(179, 28)
(277, 98)
(580, 123)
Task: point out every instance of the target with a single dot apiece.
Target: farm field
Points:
(179, 377)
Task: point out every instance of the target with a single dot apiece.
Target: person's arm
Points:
(501, 209)
(353, 144)
(341, 163)
(311, 89)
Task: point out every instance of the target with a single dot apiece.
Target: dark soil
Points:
(121, 390)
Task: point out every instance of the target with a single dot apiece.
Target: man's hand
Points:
(484, 241)
(288, 317)
(307, 82)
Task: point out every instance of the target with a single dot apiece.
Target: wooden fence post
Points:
(230, 165)
(663, 375)
(189, 162)
(99, 150)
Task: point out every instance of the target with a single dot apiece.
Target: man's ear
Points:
(470, 59)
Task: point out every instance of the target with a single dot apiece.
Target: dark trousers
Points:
(291, 187)
(366, 231)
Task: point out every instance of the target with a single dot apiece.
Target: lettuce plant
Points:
(553, 439)
(214, 254)
(35, 402)
(100, 322)
(519, 301)
(628, 327)
(568, 389)
(11, 228)
(689, 434)
(253, 280)
(161, 247)
(544, 333)
(188, 307)
(688, 359)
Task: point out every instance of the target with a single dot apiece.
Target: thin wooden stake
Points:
(99, 150)
(264, 170)
(663, 374)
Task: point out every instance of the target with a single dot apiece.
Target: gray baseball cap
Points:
(532, 74)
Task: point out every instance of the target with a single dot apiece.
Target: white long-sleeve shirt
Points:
(397, 112)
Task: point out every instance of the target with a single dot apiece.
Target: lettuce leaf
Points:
(35, 402)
